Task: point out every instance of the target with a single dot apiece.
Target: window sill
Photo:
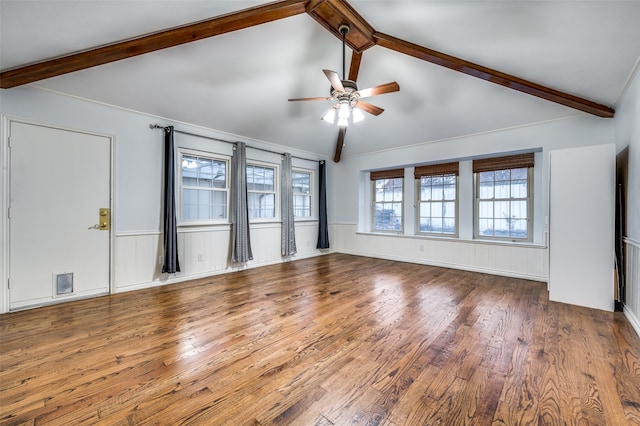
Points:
(523, 244)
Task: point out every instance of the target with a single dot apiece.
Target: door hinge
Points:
(9, 283)
(9, 213)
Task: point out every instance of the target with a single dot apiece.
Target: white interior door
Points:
(59, 181)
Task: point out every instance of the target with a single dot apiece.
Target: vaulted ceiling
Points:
(464, 67)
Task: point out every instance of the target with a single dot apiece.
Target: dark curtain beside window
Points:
(323, 227)
(240, 239)
(170, 262)
(288, 242)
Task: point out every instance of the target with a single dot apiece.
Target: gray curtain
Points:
(240, 239)
(170, 262)
(323, 228)
(288, 240)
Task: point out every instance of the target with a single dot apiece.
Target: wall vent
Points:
(64, 283)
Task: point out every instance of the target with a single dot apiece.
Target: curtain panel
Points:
(288, 243)
(323, 227)
(170, 263)
(240, 238)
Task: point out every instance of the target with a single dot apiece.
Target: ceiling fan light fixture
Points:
(343, 122)
(344, 110)
(330, 116)
(358, 116)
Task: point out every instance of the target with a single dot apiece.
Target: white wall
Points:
(137, 213)
(628, 134)
(352, 209)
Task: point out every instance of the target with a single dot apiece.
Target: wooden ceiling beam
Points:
(339, 143)
(354, 68)
(152, 42)
(333, 13)
(492, 75)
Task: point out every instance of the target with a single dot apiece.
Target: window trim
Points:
(418, 203)
(391, 174)
(476, 208)
(179, 194)
(312, 213)
(276, 191)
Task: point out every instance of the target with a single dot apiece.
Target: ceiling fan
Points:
(348, 99)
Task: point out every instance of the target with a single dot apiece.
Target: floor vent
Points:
(64, 283)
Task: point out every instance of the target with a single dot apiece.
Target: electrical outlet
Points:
(421, 247)
(200, 257)
(160, 260)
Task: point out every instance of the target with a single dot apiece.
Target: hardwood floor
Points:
(335, 339)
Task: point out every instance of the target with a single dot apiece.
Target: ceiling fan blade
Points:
(334, 78)
(309, 99)
(379, 90)
(339, 143)
(367, 107)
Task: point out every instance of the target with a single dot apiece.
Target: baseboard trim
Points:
(633, 320)
(490, 271)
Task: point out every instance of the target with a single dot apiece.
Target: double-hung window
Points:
(437, 188)
(204, 187)
(503, 200)
(387, 199)
(261, 191)
(301, 193)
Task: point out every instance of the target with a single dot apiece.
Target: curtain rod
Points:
(157, 126)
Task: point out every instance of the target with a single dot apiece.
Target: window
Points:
(301, 193)
(387, 199)
(261, 191)
(204, 188)
(503, 197)
(437, 198)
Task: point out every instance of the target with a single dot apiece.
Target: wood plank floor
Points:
(332, 340)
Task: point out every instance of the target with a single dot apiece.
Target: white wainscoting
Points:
(526, 261)
(632, 302)
(202, 252)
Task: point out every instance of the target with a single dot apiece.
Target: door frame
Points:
(5, 185)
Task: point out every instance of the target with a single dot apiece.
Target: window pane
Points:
(485, 209)
(519, 189)
(485, 227)
(449, 209)
(519, 209)
(502, 190)
(397, 194)
(437, 192)
(450, 192)
(449, 225)
(519, 228)
(487, 176)
(501, 210)
(486, 190)
(219, 174)
(436, 210)
(519, 173)
(425, 193)
(436, 224)
(219, 205)
(301, 182)
(425, 209)
(501, 227)
(503, 175)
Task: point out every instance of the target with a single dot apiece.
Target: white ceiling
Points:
(239, 82)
